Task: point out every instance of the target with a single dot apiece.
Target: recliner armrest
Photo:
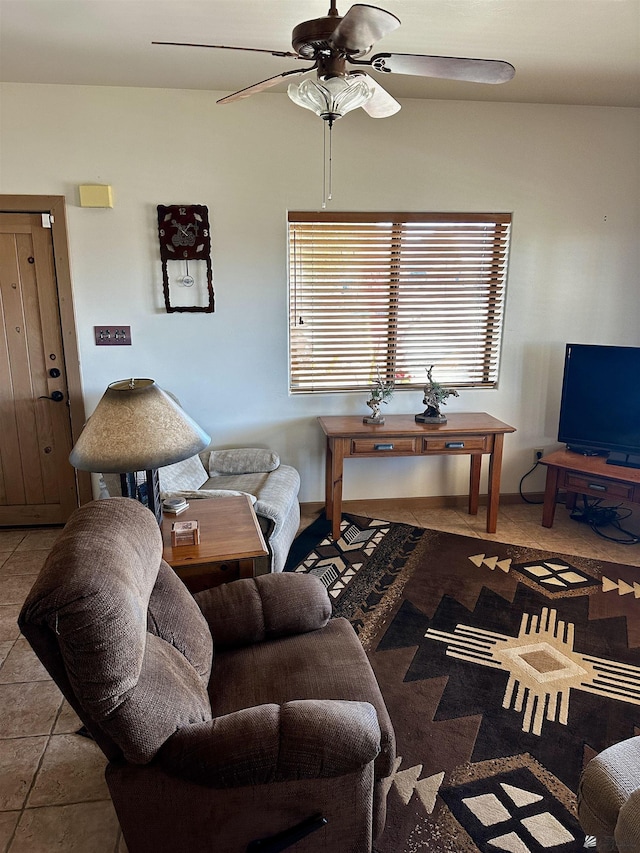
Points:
(303, 739)
(263, 608)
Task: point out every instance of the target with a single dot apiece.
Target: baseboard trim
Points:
(433, 502)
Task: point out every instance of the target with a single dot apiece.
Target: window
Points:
(390, 294)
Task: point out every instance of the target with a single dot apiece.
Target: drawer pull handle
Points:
(597, 487)
(383, 446)
(453, 445)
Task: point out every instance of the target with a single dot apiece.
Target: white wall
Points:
(570, 175)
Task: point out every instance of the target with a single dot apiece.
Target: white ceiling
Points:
(565, 51)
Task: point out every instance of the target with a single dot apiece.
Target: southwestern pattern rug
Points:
(505, 669)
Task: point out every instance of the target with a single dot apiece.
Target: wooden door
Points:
(37, 482)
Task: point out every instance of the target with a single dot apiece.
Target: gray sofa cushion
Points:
(188, 474)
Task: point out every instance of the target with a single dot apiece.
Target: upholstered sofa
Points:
(272, 486)
(287, 730)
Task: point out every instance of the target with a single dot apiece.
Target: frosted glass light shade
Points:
(333, 97)
(136, 426)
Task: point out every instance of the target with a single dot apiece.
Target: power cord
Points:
(597, 516)
(522, 479)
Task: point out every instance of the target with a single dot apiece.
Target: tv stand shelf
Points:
(586, 475)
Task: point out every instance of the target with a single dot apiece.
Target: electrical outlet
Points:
(538, 453)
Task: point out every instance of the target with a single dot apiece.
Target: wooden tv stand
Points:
(586, 475)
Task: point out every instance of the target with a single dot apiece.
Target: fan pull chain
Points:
(327, 164)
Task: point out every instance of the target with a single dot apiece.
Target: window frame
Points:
(468, 249)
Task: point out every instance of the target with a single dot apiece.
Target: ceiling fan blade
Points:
(229, 47)
(381, 104)
(445, 67)
(264, 84)
(362, 27)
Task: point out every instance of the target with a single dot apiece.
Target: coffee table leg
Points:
(247, 567)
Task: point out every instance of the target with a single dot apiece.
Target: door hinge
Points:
(47, 220)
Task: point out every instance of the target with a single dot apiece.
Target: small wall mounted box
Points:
(185, 533)
(95, 195)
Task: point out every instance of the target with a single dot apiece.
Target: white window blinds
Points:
(393, 293)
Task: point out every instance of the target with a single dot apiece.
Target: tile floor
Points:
(52, 791)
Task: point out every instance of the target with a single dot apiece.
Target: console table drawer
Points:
(460, 443)
(574, 481)
(380, 446)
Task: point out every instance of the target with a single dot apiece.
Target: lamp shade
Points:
(136, 426)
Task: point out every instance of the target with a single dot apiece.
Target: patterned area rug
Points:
(505, 669)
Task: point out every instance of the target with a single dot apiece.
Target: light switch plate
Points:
(112, 336)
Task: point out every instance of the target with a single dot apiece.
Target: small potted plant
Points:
(381, 392)
(435, 395)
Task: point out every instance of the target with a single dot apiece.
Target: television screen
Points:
(600, 406)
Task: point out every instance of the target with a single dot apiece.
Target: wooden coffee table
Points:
(230, 542)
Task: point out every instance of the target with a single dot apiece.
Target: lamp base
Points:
(147, 490)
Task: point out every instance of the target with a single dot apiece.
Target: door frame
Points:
(55, 205)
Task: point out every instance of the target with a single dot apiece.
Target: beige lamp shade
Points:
(136, 427)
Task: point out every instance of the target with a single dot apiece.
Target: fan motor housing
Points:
(311, 36)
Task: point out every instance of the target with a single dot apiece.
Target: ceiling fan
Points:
(333, 43)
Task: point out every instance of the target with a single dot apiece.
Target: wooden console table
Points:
(230, 542)
(586, 475)
(465, 433)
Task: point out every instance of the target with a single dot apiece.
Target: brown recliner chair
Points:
(285, 733)
(609, 798)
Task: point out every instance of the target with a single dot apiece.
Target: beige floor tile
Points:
(10, 539)
(22, 664)
(24, 563)
(78, 828)
(4, 556)
(68, 721)
(28, 709)
(8, 822)
(15, 588)
(448, 521)
(72, 771)
(385, 510)
(5, 648)
(39, 540)
(19, 758)
(9, 621)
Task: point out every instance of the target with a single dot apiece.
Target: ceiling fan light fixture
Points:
(333, 97)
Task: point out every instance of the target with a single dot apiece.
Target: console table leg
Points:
(495, 466)
(335, 465)
(328, 482)
(550, 493)
(474, 483)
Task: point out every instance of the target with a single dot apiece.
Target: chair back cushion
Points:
(135, 647)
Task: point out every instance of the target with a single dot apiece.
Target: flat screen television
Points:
(600, 406)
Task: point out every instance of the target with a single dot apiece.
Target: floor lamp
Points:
(137, 427)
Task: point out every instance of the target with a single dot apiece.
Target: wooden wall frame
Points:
(55, 205)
